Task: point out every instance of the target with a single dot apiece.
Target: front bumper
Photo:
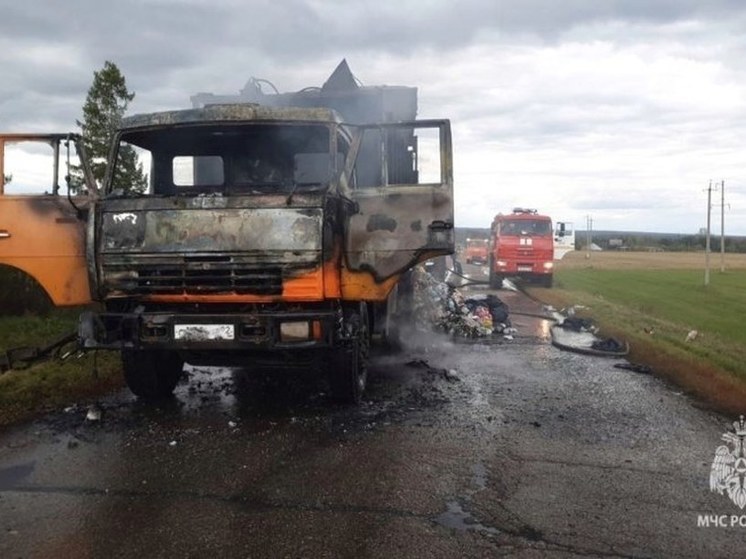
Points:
(270, 330)
(527, 269)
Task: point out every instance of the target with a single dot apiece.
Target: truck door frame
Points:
(398, 225)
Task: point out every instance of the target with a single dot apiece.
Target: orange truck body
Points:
(521, 245)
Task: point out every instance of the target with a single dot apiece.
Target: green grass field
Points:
(53, 383)
(654, 301)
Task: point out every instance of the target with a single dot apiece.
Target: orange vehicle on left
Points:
(43, 235)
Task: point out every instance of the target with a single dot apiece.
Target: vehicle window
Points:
(399, 156)
(191, 171)
(132, 170)
(427, 155)
(232, 159)
(526, 227)
(29, 168)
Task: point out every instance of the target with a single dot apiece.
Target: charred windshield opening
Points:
(526, 227)
(231, 159)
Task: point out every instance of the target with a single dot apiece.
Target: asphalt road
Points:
(509, 448)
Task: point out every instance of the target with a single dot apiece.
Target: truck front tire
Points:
(152, 374)
(348, 374)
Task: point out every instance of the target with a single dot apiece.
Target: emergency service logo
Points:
(728, 472)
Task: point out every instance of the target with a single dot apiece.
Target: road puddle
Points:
(456, 518)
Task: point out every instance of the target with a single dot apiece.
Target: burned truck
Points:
(266, 230)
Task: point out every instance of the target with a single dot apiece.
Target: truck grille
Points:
(191, 275)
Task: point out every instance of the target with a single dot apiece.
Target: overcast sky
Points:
(621, 110)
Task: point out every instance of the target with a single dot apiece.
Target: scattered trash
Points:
(232, 424)
(691, 336)
(439, 306)
(577, 334)
(451, 375)
(570, 311)
(649, 331)
(608, 345)
(172, 443)
(578, 324)
(509, 285)
(94, 413)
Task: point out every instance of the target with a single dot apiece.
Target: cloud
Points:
(563, 106)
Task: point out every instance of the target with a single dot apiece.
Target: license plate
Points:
(524, 268)
(203, 332)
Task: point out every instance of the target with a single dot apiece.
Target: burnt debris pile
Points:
(437, 305)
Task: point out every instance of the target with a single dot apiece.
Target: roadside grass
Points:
(632, 301)
(50, 384)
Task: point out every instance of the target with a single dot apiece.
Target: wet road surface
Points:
(510, 448)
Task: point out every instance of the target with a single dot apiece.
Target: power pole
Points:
(722, 226)
(707, 237)
(588, 227)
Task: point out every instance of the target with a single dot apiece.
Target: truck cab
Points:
(262, 230)
(476, 251)
(522, 245)
(564, 239)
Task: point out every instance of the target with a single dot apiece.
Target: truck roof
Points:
(236, 112)
(517, 216)
(342, 92)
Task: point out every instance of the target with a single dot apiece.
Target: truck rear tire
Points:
(151, 374)
(348, 374)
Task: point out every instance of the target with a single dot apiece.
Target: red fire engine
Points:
(521, 245)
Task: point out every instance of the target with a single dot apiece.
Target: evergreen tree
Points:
(7, 179)
(103, 110)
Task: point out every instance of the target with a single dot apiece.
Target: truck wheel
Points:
(348, 372)
(546, 281)
(151, 374)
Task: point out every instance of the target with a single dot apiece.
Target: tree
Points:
(7, 179)
(103, 110)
